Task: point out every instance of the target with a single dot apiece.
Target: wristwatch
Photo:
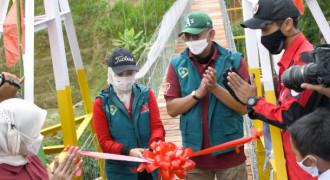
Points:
(193, 93)
(252, 101)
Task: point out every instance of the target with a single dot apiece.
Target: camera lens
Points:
(294, 77)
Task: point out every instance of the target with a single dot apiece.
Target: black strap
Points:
(10, 81)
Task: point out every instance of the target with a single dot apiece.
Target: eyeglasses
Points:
(186, 37)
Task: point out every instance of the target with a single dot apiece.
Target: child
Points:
(311, 144)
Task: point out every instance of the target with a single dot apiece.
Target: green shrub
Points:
(130, 40)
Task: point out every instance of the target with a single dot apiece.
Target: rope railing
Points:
(233, 34)
(226, 23)
(155, 58)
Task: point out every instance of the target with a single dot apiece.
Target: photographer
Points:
(278, 21)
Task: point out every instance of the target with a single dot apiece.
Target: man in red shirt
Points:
(208, 114)
(278, 21)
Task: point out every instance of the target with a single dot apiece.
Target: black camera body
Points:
(317, 71)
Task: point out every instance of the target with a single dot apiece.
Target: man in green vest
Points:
(209, 115)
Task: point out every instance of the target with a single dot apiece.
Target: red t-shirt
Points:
(226, 160)
(33, 169)
(102, 128)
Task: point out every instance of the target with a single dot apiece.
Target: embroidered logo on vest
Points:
(113, 110)
(183, 72)
(144, 108)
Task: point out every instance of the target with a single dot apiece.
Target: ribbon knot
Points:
(170, 160)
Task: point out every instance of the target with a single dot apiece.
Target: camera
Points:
(317, 71)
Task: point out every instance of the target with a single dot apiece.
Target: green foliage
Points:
(143, 15)
(239, 43)
(96, 23)
(307, 23)
(130, 40)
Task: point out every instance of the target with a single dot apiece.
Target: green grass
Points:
(96, 23)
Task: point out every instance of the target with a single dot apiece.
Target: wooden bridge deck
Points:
(212, 8)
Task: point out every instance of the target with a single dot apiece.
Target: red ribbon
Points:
(104, 156)
(235, 143)
(170, 160)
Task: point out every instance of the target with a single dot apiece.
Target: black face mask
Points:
(274, 42)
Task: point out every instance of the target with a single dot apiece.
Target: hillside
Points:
(97, 24)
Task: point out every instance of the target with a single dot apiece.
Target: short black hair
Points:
(279, 22)
(310, 133)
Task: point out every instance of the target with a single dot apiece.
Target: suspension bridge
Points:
(172, 125)
(153, 64)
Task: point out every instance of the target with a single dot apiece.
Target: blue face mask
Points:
(312, 170)
(274, 42)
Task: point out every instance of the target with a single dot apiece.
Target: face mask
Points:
(123, 84)
(274, 42)
(312, 170)
(32, 145)
(198, 46)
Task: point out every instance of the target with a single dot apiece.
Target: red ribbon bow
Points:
(170, 160)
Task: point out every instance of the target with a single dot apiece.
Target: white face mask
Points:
(32, 145)
(124, 84)
(312, 170)
(198, 46)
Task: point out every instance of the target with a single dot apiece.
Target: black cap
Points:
(122, 60)
(266, 11)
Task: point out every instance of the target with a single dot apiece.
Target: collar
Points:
(287, 57)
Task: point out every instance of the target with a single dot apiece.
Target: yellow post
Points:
(85, 91)
(67, 119)
(89, 110)
(279, 160)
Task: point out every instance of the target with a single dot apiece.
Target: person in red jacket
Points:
(278, 21)
(126, 117)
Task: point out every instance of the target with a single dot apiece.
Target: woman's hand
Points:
(136, 152)
(67, 168)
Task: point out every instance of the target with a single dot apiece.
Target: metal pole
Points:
(19, 33)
